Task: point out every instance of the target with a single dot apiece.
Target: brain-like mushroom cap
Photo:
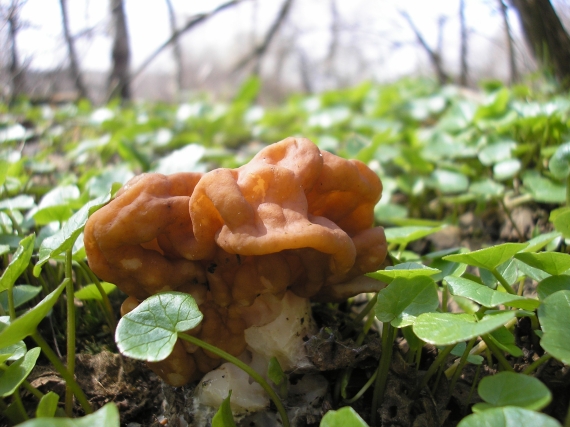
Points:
(294, 217)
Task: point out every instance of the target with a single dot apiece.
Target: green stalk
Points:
(70, 293)
(439, 361)
(444, 298)
(32, 390)
(104, 296)
(69, 379)
(462, 363)
(258, 378)
(363, 389)
(538, 362)
(497, 353)
(568, 190)
(503, 282)
(18, 402)
(369, 306)
(388, 335)
(11, 304)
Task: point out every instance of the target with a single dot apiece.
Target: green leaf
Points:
(505, 340)
(344, 417)
(504, 389)
(26, 324)
(559, 163)
(66, 236)
(224, 417)
(459, 349)
(537, 243)
(405, 235)
(404, 299)
(554, 263)
(406, 270)
(485, 296)
(92, 292)
(17, 372)
(275, 372)
(107, 416)
(543, 189)
(554, 317)
(506, 169)
(19, 263)
(497, 152)
(14, 351)
(561, 220)
(451, 328)
(553, 284)
(487, 188)
(21, 202)
(508, 416)
(489, 258)
(22, 294)
(449, 182)
(48, 405)
(248, 91)
(149, 332)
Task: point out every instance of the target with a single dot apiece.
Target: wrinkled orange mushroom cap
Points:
(294, 217)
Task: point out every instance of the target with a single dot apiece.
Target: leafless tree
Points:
(176, 49)
(17, 75)
(119, 82)
(73, 62)
(464, 71)
(513, 71)
(259, 51)
(546, 36)
(193, 22)
(434, 57)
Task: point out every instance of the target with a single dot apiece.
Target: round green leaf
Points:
(342, 418)
(21, 202)
(554, 317)
(451, 328)
(224, 417)
(489, 258)
(553, 284)
(504, 389)
(149, 332)
(404, 235)
(554, 263)
(561, 220)
(22, 294)
(17, 372)
(406, 270)
(487, 297)
(107, 416)
(509, 416)
(91, 292)
(19, 263)
(487, 188)
(506, 169)
(449, 182)
(559, 163)
(497, 152)
(47, 405)
(543, 189)
(405, 299)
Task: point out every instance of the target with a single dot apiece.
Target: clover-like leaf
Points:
(150, 331)
(47, 406)
(451, 328)
(543, 189)
(537, 243)
(404, 299)
(65, 238)
(554, 263)
(504, 389)
(561, 219)
(509, 416)
(405, 235)
(20, 202)
(505, 340)
(559, 163)
(14, 351)
(489, 258)
(487, 297)
(92, 292)
(344, 417)
(107, 416)
(224, 416)
(26, 324)
(17, 372)
(554, 317)
(22, 294)
(19, 263)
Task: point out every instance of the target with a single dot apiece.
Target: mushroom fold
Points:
(293, 218)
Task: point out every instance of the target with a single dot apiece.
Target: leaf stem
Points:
(462, 363)
(440, 359)
(70, 294)
(388, 335)
(503, 282)
(253, 374)
(11, 303)
(497, 353)
(104, 296)
(69, 379)
(538, 362)
(363, 389)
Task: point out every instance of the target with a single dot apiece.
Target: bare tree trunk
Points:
(258, 53)
(513, 71)
(119, 83)
(546, 36)
(16, 72)
(434, 57)
(73, 62)
(464, 71)
(176, 49)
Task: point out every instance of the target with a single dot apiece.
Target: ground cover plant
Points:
(471, 327)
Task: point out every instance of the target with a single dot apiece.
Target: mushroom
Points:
(294, 219)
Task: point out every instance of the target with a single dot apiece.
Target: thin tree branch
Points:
(176, 49)
(434, 57)
(73, 62)
(260, 50)
(197, 19)
(464, 71)
(513, 71)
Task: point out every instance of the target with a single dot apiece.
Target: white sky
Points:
(41, 42)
